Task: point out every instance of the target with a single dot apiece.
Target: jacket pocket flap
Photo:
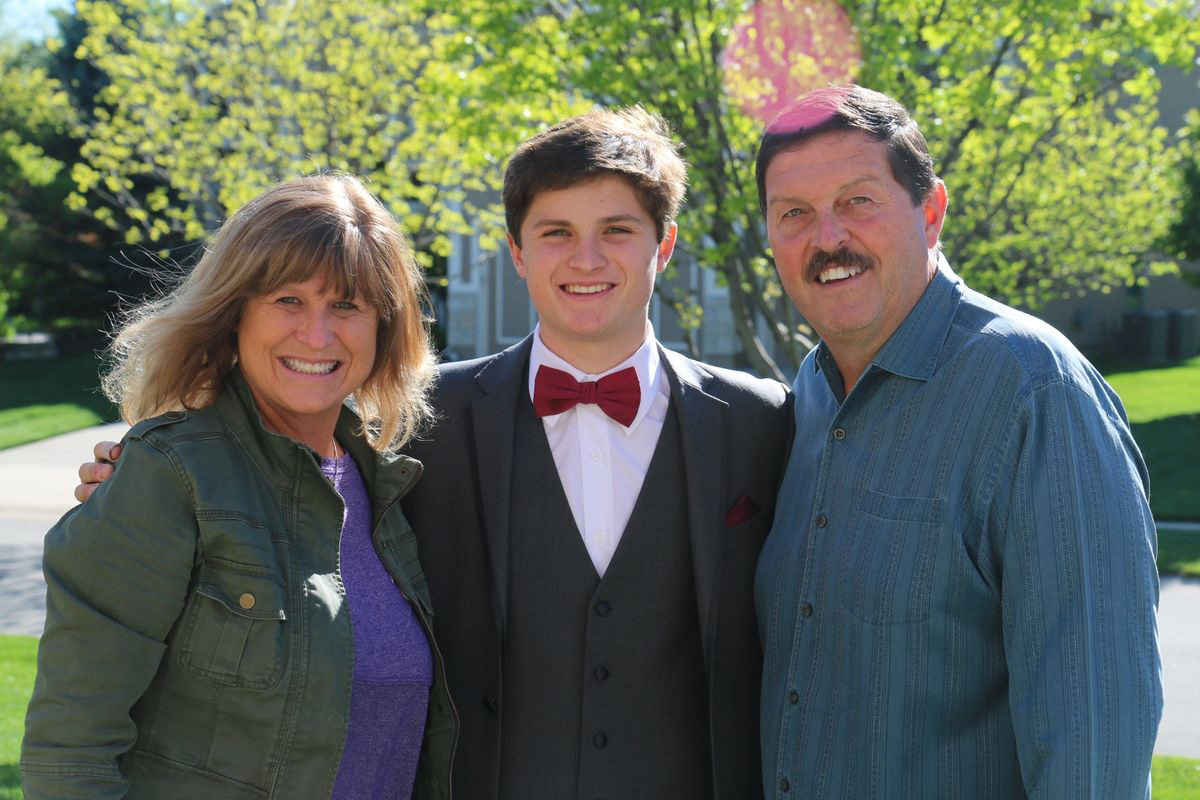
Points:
(244, 591)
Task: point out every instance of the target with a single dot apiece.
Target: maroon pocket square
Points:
(742, 510)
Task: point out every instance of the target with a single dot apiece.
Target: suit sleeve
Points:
(117, 571)
(1079, 593)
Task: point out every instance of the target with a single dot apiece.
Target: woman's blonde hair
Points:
(176, 352)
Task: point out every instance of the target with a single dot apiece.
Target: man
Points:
(957, 598)
(592, 570)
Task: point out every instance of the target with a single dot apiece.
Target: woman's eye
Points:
(288, 300)
(346, 305)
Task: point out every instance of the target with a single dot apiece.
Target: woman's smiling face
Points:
(303, 349)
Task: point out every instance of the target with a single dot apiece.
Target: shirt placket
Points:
(597, 490)
(801, 685)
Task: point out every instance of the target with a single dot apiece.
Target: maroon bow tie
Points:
(618, 394)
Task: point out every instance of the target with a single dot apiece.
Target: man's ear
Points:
(666, 246)
(514, 250)
(934, 212)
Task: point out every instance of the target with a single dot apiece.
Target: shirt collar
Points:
(646, 361)
(914, 348)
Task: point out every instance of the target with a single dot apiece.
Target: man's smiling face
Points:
(589, 254)
(853, 251)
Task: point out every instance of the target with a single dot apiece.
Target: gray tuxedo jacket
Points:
(736, 433)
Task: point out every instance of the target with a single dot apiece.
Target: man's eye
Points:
(859, 200)
(618, 229)
(792, 213)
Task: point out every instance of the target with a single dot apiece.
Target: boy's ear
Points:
(514, 250)
(667, 246)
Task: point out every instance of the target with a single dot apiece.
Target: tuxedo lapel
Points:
(704, 433)
(493, 418)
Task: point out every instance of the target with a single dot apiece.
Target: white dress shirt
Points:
(601, 463)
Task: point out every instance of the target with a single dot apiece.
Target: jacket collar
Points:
(279, 456)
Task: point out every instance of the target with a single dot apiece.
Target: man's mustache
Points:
(843, 256)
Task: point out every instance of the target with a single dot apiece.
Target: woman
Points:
(239, 612)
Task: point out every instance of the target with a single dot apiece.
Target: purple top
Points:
(393, 666)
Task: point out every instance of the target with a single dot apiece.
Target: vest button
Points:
(603, 608)
(600, 740)
(491, 704)
(793, 697)
(806, 610)
(601, 673)
(822, 521)
(839, 433)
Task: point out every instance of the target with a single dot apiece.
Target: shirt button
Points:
(784, 785)
(822, 521)
(600, 740)
(601, 673)
(806, 610)
(793, 697)
(246, 601)
(600, 536)
(839, 433)
(595, 455)
(603, 608)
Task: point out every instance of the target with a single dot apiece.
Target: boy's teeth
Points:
(310, 367)
(575, 288)
(838, 273)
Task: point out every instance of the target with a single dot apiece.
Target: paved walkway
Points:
(36, 482)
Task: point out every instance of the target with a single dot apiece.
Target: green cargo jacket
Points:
(198, 642)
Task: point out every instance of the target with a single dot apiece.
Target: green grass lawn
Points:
(41, 398)
(1178, 553)
(1164, 410)
(1173, 778)
(17, 662)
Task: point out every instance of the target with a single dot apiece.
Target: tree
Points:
(1184, 235)
(55, 267)
(1040, 115)
(214, 101)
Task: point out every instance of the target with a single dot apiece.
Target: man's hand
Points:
(94, 473)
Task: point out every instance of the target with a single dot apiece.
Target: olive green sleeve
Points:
(117, 572)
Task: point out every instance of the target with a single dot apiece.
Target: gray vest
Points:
(603, 680)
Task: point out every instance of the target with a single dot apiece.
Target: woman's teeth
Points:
(309, 367)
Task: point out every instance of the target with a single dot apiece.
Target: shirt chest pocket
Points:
(233, 625)
(891, 557)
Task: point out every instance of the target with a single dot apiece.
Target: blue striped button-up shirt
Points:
(957, 598)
